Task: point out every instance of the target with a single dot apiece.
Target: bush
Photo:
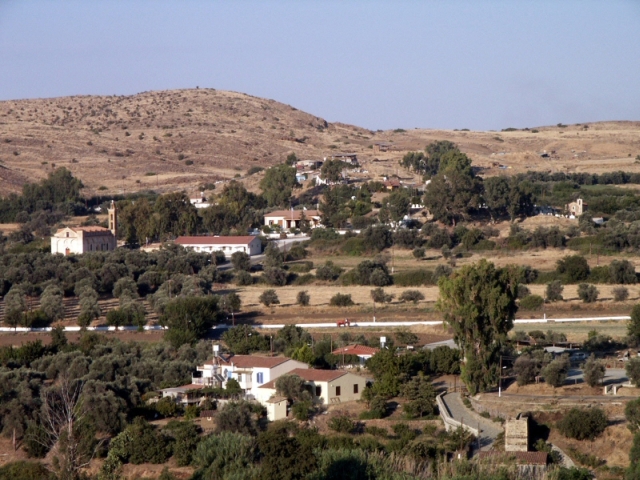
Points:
(167, 407)
(622, 271)
(587, 293)
(305, 279)
(583, 424)
(418, 253)
(328, 271)
(243, 278)
(341, 300)
(303, 298)
(620, 294)
(574, 268)
(342, 424)
(301, 410)
(275, 276)
(554, 291)
(414, 278)
(269, 297)
(523, 291)
(632, 413)
(411, 296)
(531, 302)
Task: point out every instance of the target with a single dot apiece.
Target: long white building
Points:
(228, 245)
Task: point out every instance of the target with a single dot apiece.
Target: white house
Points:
(200, 202)
(80, 240)
(287, 219)
(326, 386)
(228, 245)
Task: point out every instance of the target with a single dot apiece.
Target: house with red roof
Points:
(228, 245)
(363, 352)
(327, 387)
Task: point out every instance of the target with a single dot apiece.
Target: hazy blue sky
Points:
(445, 64)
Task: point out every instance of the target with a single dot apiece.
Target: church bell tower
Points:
(113, 219)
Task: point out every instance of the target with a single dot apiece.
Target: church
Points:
(78, 240)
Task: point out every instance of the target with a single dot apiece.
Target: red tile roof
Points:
(292, 214)
(521, 458)
(310, 375)
(361, 350)
(205, 240)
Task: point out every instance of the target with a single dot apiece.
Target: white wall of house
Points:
(252, 248)
(251, 378)
(68, 241)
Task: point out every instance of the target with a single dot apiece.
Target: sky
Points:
(478, 64)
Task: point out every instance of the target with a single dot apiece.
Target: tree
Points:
(63, 420)
(186, 439)
(421, 396)
(594, 371)
(15, 304)
(278, 184)
(292, 387)
(554, 291)
(623, 272)
(479, 303)
(454, 190)
(269, 297)
(125, 286)
(273, 256)
(632, 414)
(332, 170)
(574, 268)
(633, 328)
(620, 294)
(241, 261)
(275, 276)
(526, 368)
(633, 371)
(188, 319)
(291, 159)
(237, 417)
(51, 303)
(328, 271)
(496, 196)
(341, 300)
(231, 303)
(302, 298)
(89, 307)
(555, 373)
(583, 424)
(244, 339)
(378, 295)
(587, 293)
(418, 253)
(284, 457)
(413, 296)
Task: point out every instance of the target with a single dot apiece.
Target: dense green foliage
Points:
(479, 303)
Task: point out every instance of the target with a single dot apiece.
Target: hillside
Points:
(181, 139)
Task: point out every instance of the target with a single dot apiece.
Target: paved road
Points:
(612, 375)
(489, 430)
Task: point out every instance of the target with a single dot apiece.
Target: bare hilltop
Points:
(182, 139)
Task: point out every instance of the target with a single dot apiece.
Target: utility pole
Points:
(500, 379)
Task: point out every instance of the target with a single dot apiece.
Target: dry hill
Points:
(183, 138)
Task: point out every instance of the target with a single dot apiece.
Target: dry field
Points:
(147, 141)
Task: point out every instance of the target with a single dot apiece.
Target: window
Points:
(260, 377)
(239, 377)
(337, 391)
(355, 388)
(67, 234)
(318, 391)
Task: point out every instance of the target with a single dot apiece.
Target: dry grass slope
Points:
(180, 139)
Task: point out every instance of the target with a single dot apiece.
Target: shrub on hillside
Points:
(554, 291)
(342, 424)
(243, 278)
(413, 296)
(341, 300)
(620, 294)
(303, 298)
(587, 293)
(583, 424)
(328, 271)
(269, 297)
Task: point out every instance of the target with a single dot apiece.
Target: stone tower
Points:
(113, 219)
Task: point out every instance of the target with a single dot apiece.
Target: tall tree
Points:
(496, 196)
(332, 170)
(454, 190)
(278, 184)
(479, 303)
(51, 303)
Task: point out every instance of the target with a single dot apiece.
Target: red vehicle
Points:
(343, 323)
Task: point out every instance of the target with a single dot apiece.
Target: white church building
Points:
(78, 240)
